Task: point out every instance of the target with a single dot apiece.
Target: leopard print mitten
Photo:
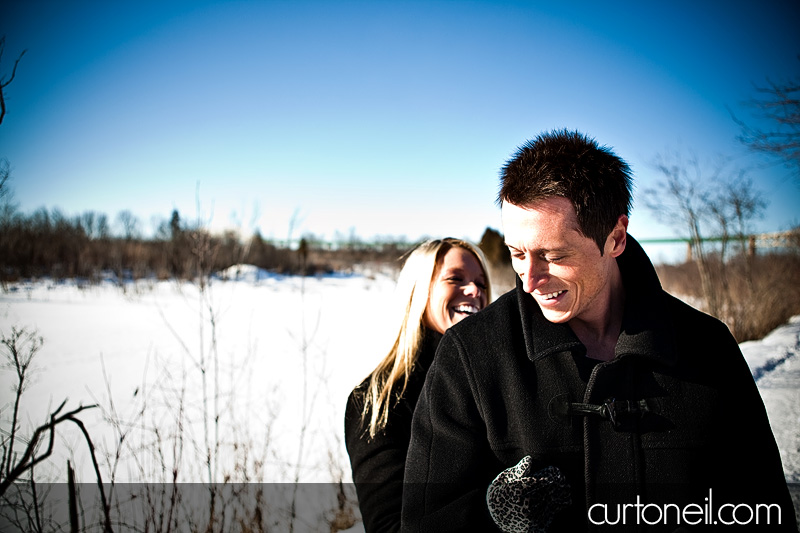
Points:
(524, 502)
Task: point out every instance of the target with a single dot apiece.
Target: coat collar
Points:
(647, 329)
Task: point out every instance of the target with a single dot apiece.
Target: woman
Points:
(442, 282)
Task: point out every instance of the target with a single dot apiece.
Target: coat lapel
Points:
(647, 329)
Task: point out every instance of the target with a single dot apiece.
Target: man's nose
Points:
(534, 275)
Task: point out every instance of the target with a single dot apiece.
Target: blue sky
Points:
(373, 118)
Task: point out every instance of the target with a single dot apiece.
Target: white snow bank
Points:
(777, 347)
(775, 364)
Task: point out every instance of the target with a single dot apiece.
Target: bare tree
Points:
(20, 348)
(7, 205)
(5, 82)
(5, 175)
(6, 197)
(705, 203)
(129, 224)
(779, 104)
(678, 199)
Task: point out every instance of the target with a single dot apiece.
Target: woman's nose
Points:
(472, 289)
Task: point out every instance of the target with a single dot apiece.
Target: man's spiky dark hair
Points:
(571, 165)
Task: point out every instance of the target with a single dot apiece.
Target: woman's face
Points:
(458, 289)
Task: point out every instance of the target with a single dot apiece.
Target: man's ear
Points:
(618, 238)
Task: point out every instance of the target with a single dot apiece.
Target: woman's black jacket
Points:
(378, 463)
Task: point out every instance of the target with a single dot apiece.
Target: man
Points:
(587, 398)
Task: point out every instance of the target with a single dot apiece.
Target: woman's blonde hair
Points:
(389, 379)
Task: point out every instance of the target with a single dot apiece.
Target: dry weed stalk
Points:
(20, 349)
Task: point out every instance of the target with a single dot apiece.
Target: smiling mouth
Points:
(552, 295)
(466, 309)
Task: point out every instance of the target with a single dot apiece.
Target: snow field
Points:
(288, 352)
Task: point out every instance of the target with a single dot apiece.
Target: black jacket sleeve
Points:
(378, 462)
(751, 471)
(448, 467)
(377, 465)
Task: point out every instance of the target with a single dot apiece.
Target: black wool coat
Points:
(378, 463)
(687, 417)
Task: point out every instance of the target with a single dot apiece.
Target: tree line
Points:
(51, 243)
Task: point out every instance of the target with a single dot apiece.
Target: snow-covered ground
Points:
(261, 364)
(775, 364)
(276, 356)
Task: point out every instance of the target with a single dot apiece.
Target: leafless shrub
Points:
(16, 469)
(755, 304)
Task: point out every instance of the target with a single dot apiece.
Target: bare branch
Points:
(21, 347)
(106, 507)
(3, 83)
(29, 458)
(779, 105)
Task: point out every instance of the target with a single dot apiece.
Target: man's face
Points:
(560, 267)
